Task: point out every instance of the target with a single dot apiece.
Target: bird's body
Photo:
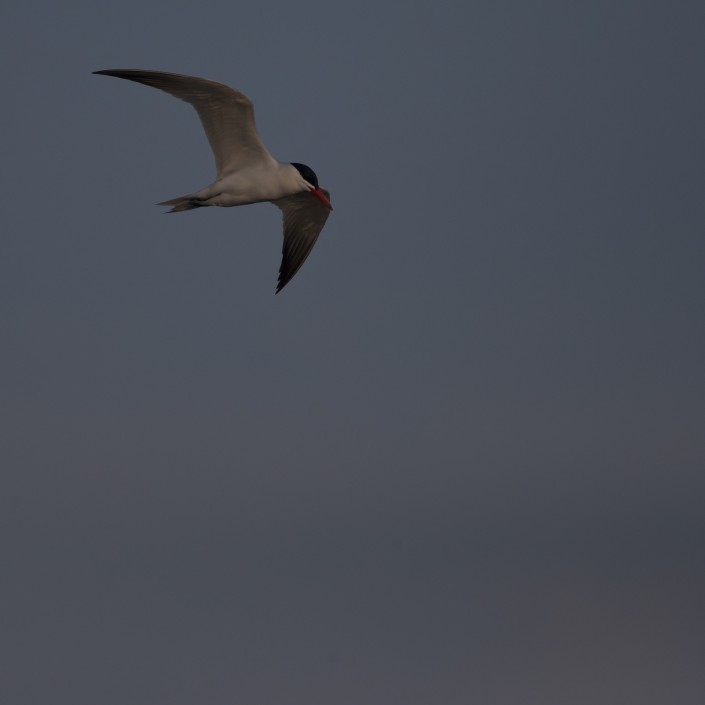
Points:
(267, 181)
(246, 172)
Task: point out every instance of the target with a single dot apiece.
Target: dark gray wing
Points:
(227, 115)
(304, 218)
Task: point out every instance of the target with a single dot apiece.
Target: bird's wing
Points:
(304, 218)
(227, 115)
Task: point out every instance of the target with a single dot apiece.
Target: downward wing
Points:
(304, 218)
(227, 115)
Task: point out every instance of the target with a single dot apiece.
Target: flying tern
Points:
(246, 171)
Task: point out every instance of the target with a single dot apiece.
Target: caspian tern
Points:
(246, 171)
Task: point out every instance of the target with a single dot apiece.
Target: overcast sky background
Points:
(459, 459)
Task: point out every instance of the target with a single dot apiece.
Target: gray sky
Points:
(459, 459)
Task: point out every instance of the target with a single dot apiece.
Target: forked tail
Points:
(183, 203)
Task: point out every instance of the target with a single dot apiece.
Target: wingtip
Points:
(117, 73)
(107, 72)
(281, 282)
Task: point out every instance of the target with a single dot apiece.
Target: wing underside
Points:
(227, 115)
(304, 217)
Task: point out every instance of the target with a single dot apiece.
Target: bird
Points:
(245, 171)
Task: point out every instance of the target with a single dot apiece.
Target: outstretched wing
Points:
(304, 218)
(227, 115)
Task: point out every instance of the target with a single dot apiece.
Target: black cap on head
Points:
(308, 173)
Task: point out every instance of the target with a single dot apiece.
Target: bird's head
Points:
(311, 183)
